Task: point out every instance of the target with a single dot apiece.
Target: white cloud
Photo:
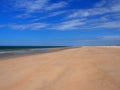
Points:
(110, 25)
(69, 25)
(36, 6)
(91, 24)
(51, 14)
(103, 7)
(30, 6)
(57, 13)
(56, 6)
(32, 26)
(89, 12)
(103, 15)
(79, 13)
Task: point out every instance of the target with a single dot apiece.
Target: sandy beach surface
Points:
(83, 68)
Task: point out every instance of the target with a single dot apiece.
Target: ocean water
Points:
(11, 51)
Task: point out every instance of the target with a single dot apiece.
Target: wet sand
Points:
(84, 68)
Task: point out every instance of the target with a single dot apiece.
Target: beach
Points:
(80, 68)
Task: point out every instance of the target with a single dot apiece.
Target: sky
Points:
(59, 22)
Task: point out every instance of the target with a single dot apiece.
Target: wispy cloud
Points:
(30, 6)
(113, 24)
(57, 13)
(88, 12)
(37, 6)
(56, 5)
(68, 25)
(91, 24)
(32, 26)
(51, 14)
(103, 7)
(104, 14)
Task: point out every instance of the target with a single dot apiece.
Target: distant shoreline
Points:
(39, 51)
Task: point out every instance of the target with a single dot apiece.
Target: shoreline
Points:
(53, 50)
(32, 54)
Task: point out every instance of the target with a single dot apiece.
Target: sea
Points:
(11, 51)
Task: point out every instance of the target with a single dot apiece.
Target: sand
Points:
(83, 68)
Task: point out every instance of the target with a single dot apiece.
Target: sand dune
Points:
(84, 68)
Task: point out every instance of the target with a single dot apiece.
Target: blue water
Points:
(10, 51)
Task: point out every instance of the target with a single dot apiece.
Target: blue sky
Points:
(59, 22)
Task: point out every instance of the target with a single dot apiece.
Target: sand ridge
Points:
(84, 68)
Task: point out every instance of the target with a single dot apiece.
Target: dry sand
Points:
(84, 68)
